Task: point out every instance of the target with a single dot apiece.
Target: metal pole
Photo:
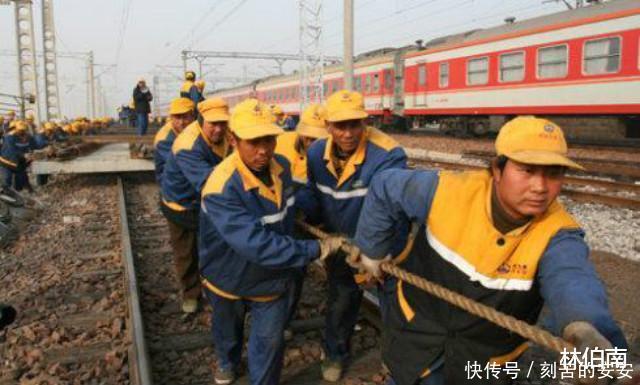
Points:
(348, 45)
(92, 87)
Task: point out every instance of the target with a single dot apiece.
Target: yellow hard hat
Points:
(200, 84)
(345, 105)
(67, 128)
(180, 106)
(190, 75)
(313, 122)
(276, 109)
(532, 140)
(214, 110)
(11, 113)
(30, 117)
(253, 119)
(48, 126)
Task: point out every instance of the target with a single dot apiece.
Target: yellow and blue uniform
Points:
(13, 162)
(336, 199)
(190, 91)
(162, 147)
(249, 262)
(187, 167)
(455, 244)
(288, 146)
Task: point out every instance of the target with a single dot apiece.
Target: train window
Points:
(388, 80)
(422, 74)
(376, 82)
(367, 83)
(325, 89)
(443, 80)
(512, 67)
(357, 83)
(552, 62)
(601, 56)
(478, 71)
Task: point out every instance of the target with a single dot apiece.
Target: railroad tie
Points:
(528, 331)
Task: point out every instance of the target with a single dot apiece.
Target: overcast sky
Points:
(134, 36)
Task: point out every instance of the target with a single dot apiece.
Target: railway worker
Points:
(283, 120)
(44, 137)
(189, 89)
(200, 147)
(293, 146)
(13, 156)
(10, 117)
(248, 257)
(142, 98)
(497, 236)
(59, 133)
(180, 116)
(339, 170)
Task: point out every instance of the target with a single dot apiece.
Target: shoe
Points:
(288, 334)
(224, 377)
(190, 305)
(331, 370)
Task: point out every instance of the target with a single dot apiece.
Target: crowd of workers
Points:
(233, 183)
(20, 137)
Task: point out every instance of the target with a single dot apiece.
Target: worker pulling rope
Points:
(531, 332)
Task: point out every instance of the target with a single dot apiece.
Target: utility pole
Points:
(348, 45)
(25, 44)
(156, 95)
(52, 100)
(311, 53)
(91, 86)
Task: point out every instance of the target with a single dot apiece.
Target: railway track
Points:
(172, 348)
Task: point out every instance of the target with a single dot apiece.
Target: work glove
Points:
(364, 264)
(329, 246)
(583, 335)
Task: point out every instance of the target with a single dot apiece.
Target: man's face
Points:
(347, 134)
(526, 190)
(181, 121)
(256, 153)
(215, 131)
(142, 84)
(306, 141)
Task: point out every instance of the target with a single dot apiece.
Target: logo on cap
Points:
(257, 110)
(346, 97)
(549, 128)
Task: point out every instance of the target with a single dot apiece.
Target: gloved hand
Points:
(329, 246)
(583, 335)
(364, 264)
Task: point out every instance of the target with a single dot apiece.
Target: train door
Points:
(420, 86)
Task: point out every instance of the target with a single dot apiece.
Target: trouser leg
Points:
(185, 258)
(227, 328)
(342, 313)
(294, 296)
(266, 341)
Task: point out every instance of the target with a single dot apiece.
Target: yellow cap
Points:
(532, 140)
(313, 122)
(214, 110)
(11, 113)
(200, 84)
(190, 75)
(48, 126)
(276, 109)
(67, 128)
(345, 105)
(20, 126)
(180, 106)
(30, 118)
(253, 119)
(12, 124)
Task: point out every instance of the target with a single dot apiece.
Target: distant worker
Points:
(498, 236)
(13, 156)
(189, 89)
(284, 121)
(10, 117)
(31, 122)
(180, 116)
(194, 154)
(339, 171)
(248, 256)
(142, 97)
(293, 146)
(44, 137)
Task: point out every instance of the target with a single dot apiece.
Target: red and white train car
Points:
(579, 67)
(581, 64)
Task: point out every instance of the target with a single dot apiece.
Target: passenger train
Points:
(579, 67)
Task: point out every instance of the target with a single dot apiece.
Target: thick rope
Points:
(530, 332)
